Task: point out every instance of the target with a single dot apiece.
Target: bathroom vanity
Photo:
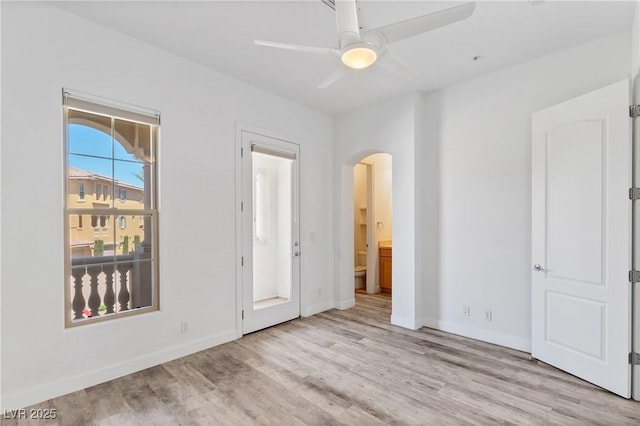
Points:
(384, 253)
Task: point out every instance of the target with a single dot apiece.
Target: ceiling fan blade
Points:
(333, 77)
(397, 66)
(422, 24)
(298, 47)
(347, 17)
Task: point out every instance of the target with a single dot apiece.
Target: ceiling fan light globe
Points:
(359, 57)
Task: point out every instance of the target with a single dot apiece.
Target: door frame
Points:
(241, 127)
(371, 276)
(371, 283)
(635, 227)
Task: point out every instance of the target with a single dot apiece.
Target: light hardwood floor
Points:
(346, 367)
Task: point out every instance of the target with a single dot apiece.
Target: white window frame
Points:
(102, 107)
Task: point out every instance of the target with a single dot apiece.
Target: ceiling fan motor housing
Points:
(359, 51)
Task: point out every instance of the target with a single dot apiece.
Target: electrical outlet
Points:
(488, 315)
(466, 310)
(184, 327)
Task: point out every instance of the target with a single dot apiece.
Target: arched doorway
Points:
(405, 292)
(372, 224)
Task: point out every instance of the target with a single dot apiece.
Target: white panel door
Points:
(581, 237)
(270, 232)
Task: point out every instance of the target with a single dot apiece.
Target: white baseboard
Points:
(346, 304)
(430, 323)
(477, 333)
(405, 322)
(316, 309)
(74, 383)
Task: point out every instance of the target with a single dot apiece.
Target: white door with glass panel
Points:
(581, 237)
(270, 232)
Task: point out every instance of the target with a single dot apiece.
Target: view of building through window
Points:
(111, 215)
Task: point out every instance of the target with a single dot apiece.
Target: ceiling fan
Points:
(361, 49)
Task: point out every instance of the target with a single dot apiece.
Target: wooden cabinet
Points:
(385, 268)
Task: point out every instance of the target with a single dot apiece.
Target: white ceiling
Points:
(220, 35)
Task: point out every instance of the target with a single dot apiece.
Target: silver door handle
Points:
(538, 268)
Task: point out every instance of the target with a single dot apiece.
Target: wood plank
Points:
(347, 367)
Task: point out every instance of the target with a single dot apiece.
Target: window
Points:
(261, 205)
(109, 148)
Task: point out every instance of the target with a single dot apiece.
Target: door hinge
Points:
(634, 194)
(242, 206)
(634, 276)
(242, 261)
(634, 111)
(243, 318)
(241, 152)
(634, 358)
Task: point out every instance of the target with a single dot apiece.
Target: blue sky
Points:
(91, 150)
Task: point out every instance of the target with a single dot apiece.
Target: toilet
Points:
(360, 271)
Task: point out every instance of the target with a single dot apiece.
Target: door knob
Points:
(537, 267)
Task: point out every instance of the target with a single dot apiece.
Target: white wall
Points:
(382, 221)
(484, 132)
(45, 49)
(427, 161)
(382, 186)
